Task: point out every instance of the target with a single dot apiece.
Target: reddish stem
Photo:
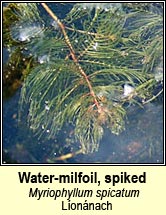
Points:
(72, 53)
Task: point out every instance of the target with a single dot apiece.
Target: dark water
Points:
(141, 142)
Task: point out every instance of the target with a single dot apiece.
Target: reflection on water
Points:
(141, 142)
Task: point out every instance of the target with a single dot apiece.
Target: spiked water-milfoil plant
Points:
(85, 60)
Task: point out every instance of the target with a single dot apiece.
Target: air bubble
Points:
(101, 6)
(43, 59)
(54, 24)
(47, 107)
(24, 32)
(95, 46)
(127, 90)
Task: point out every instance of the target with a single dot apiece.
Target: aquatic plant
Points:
(90, 63)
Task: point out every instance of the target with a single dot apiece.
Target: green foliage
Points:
(84, 61)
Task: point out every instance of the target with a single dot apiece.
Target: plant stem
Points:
(72, 53)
